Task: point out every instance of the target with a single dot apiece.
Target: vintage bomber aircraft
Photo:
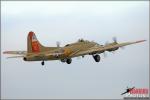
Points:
(37, 52)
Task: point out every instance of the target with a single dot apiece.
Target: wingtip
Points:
(5, 52)
(140, 41)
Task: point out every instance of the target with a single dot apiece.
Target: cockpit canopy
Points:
(82, 40)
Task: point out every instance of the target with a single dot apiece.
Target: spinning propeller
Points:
(114, 39)
(58, 44)
(115, 42)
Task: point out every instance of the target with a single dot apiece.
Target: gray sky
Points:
(67, 22)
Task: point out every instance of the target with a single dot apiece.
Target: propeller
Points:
(114, 39)
(113, 52)
(79, 57)
(58, 44)
(106, 43)
(122, 48)
(104, 54)
(111, 44)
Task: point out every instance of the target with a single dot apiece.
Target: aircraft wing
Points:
(15, 52)
(98, 49)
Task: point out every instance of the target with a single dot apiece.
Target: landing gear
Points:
(42, 63)
(96, 58)
(63, 60)
(68, 61)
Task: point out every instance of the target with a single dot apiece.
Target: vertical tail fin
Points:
(33, 44)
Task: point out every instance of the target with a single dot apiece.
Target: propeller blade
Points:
(58, 44)
(78, 58)
(106, 43)
(122, 47)
(114, 39)
(104, 54)
(113, 52)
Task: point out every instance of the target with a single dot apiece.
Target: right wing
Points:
(99, 49)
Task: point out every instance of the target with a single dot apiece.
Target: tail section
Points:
(34, 46)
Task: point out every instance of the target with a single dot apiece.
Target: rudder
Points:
(33, 45)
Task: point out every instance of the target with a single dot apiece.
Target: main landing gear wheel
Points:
(42, 63)
(68, 61)
(96, 58)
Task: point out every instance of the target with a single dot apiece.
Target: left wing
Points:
(98, 49)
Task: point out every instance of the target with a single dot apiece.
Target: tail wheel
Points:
(42, 63)
(96, 58)
(68, 61)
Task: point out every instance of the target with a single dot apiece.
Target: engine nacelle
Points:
(113, 49)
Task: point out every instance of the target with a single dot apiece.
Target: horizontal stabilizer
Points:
(15, 57)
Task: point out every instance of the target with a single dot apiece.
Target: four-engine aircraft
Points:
(37, 52)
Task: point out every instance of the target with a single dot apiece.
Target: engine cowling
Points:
(113, 49)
